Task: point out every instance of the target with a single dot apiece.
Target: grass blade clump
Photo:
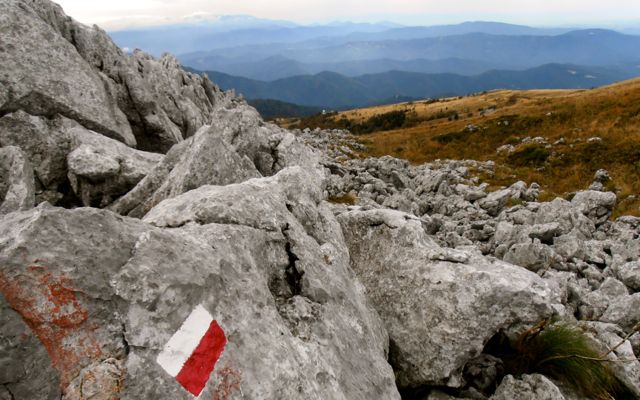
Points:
(563, 352)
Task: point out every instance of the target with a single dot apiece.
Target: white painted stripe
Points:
(182, 344)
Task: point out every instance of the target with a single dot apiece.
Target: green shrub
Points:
(515, 202)
(533, 155)
(452, 137)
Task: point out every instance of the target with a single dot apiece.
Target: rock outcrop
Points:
(238, 146)
(106, 299)
(56, 66)
(440, 305)
(73, 165)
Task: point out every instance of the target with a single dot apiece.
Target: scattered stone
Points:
(598, 206)
(507, 148)
(629, 274)
(527, 387)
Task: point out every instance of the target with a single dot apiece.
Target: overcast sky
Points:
(117, 14)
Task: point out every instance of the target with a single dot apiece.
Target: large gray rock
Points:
(624, 311)
(45, 142)
(56, 65)
(201, 160)
(567, 216)
(527, 387)
(440, 306)
(100, 170)
(531, 255)
(49, 143)
(624, 363)
(104, 301)
(629, 274)
(595, 303)
(237, 147)
(17, 188)
(43, 74)
(496, 201)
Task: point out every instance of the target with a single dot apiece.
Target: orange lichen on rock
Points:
(49, 306)
(231, 379)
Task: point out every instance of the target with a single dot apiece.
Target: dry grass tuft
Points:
(348, 199)
(563, 352)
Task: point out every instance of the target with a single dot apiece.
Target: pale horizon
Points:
(120, 14)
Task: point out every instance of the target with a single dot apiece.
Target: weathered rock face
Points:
(50, 146)
(237, 147)
(56, 66)
(17, 191)
(273, 271)
(101, 170)
(45, 75)
(439, 305)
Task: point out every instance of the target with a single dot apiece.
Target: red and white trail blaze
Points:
(191, 354)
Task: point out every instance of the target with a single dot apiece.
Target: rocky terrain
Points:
(134, 195)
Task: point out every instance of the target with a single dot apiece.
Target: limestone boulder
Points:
(496, 201)
(629, 274)
(69, 160)
(439, 305)
(237, 147)
(43, 74)
(100, 296)
(624, 311)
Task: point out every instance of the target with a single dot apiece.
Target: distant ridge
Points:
(329, 89)
(466, 53)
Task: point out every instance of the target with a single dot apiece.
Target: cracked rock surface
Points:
(115, 288)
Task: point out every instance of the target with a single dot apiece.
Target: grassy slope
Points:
(611, 113)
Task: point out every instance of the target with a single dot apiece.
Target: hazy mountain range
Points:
(592, 47)
(329, 89)
(230, 31)
(353, 64)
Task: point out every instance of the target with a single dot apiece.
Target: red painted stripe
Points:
(196, 371)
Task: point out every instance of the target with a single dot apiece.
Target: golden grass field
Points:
(489, 120)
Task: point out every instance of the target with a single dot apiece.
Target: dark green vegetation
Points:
(271, 109)
(329, 89)
(565, 353)
(533, 155)
(379, 122)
